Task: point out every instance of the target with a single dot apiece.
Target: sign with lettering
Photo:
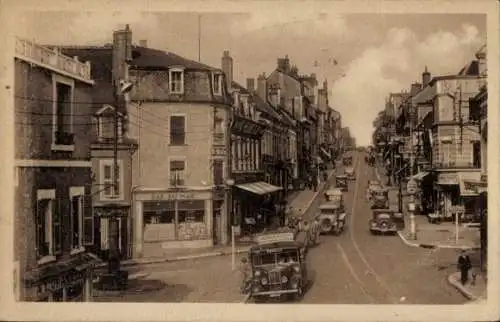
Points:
(274, 238)
(56, 283)
(172, 195)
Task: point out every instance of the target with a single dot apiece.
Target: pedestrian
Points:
(246, 274)
(464, 265)
(288, 215)
(316, 229)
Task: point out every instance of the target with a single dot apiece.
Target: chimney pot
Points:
(227, 68)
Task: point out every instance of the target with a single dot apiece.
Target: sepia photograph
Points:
(269, 155)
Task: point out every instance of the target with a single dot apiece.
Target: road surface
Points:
(353, 268)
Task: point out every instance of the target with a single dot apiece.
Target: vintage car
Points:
(380, 198)
(335, 195)
(350, 173)
(385, 221)
(278, 267)
(347, 160)
(341, 182)
(331, 217)
(372, 186)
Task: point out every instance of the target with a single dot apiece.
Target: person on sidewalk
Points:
(246, 274)
(464, 265)
(316, 230)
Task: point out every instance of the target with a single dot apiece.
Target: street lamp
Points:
(230, 183)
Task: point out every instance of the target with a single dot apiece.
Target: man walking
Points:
(464, 265)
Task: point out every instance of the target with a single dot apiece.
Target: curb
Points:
(453, 281)
(176, 259)
(306, 208)
(433, 246)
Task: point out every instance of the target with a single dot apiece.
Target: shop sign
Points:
(457, 209)
(447, 179)
(171, 195)
(56, 283)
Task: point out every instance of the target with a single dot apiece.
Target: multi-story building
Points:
(248, 125)
(109, 67)
(54, 219)
(181, 187)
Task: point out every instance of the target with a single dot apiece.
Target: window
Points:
(63, 137)
(217, 84)
(191, 211)
(105, 128)
(218, 172)
(48, 226)
(177, 130)
(76, 195)
(177, 173)
(176, 84)
(107, 182)
(446, 153)
(476, 154)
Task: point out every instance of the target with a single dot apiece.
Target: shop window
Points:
(107, 175)
(191, 211)
(161, 212)
(76, 221)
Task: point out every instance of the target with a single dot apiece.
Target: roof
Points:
(330, 205)
(471, 69)
(263, 107)
(100, 59)
(149, 58)
(239, 87)
(282, 244)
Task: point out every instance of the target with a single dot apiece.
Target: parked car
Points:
(380, 198)
(332, 218)
(385, 221)
(341, 182)
(278, 267)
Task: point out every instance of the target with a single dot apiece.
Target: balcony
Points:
(455, 165)
(52, 59)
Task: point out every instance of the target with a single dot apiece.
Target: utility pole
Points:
(411, 182)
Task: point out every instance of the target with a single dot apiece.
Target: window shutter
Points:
(88, 221)
(40, 230)
(56, 225)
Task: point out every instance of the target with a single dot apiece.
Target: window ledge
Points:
(46, 260)
(112, 198)
(60, 147)
(76, 251)
(178, 144)
(177, 93)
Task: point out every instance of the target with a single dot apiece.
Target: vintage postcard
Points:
(250, 160)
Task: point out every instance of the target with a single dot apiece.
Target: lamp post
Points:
(230, 184)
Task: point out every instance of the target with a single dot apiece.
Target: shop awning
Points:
(328, 155)
(259, 188)
(419, 176)
(468, 183)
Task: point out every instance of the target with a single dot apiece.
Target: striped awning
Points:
(259, 188)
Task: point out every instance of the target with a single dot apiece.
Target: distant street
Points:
(354, 268)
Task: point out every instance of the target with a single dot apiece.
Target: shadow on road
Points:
(145, 290)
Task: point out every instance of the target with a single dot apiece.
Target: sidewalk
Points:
(302, 200)
(431, 235)
(473, 291)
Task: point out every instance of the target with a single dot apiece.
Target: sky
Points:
(376, 53)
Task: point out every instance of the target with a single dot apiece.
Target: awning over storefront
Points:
(259, 188)
(419, 176)
(328, 155)
(468, 183)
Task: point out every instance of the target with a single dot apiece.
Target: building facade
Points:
(181, 122)
(54, 218)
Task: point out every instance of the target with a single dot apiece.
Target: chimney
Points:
(415, 88)
(227, 69)
(284, 64)
(122, 53)
(251, 85)
(426, 77)
(275, 96)
(262, 86)
(143, 43)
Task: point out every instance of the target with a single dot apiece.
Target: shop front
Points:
(253, 204)
(172, 219)
(62, 281)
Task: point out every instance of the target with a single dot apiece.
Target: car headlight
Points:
(296, 268)
(284, 279)
(256, 289)
(257, 273)
(264, 281)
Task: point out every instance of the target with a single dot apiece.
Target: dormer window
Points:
(217, 84)
(176, 80)
(106, 124)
